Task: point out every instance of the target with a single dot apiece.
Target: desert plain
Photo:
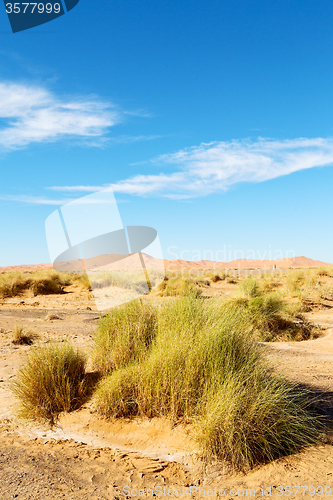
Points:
(85, 456)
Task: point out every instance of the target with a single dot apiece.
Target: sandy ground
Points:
(85, 457)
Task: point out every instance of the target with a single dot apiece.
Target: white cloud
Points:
(34, 200)
(126, 139)
(42, 200)
(214, 167)
(31, 114)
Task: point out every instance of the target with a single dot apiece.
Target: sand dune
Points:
(104, 262)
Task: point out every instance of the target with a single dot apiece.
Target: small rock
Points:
(52, 317)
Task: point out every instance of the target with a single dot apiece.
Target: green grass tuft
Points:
(21, 337)
(249, 288)
(178, 286)
(51, 381)
(40, 283)
(124, 334)
(202, 367)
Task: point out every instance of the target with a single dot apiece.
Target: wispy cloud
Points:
(42, 200)
(35, 200)
(31, 114)
(127, 139)
(214, 167)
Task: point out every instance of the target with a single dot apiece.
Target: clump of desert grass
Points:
(23, 337)
(231, 280)
(123, 335)
(12, 284)
(51, 381)
(294, 281)
(200, 365)
(49, 282)
(216, 276)
(269, 282)
(273, 318)
(179, 286)
(39, 283)
(249, 288)
(325, 271)
(134, 280)
(82, 279)
(310, 288)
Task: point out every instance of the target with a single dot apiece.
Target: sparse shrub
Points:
(21, 337)
(324, 271)
(218, 276)
(172, 287)
(49, 282)
(40, 283)
(130, 280)
(256, 421)
(269, 282)
(12, 284)
(51, 381)
(273, 318)
(203, 368)
(249, 288)
(294, 280)
(125, 333)
(311, 281)
(202, 281)
(82, 279)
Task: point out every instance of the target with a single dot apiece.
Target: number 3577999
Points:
(31, 8)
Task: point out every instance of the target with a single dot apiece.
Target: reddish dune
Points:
(103, 260)
(25, 268)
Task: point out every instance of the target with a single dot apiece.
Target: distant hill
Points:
(107, 262)
(294, 262)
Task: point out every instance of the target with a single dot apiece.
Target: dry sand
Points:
(85, 457)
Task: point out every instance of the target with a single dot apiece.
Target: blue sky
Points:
(211, 120)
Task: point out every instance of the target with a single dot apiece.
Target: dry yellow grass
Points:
(200, 365)
(52, 380)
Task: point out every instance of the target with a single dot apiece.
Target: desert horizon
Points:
(178, 264)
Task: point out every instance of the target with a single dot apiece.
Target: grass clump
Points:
(126, 279)
(21, 337)
(217, 276)
(39, 283)
(231, 280)
(294, 280)
(256, 421)
(269, 282)
(203, 367)
(325, 271)
(273, 318)
(124, 334)
(49, 282)
(82, 280)
(12, 284)
(51, 381)
(249, 288)
(173, 287)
